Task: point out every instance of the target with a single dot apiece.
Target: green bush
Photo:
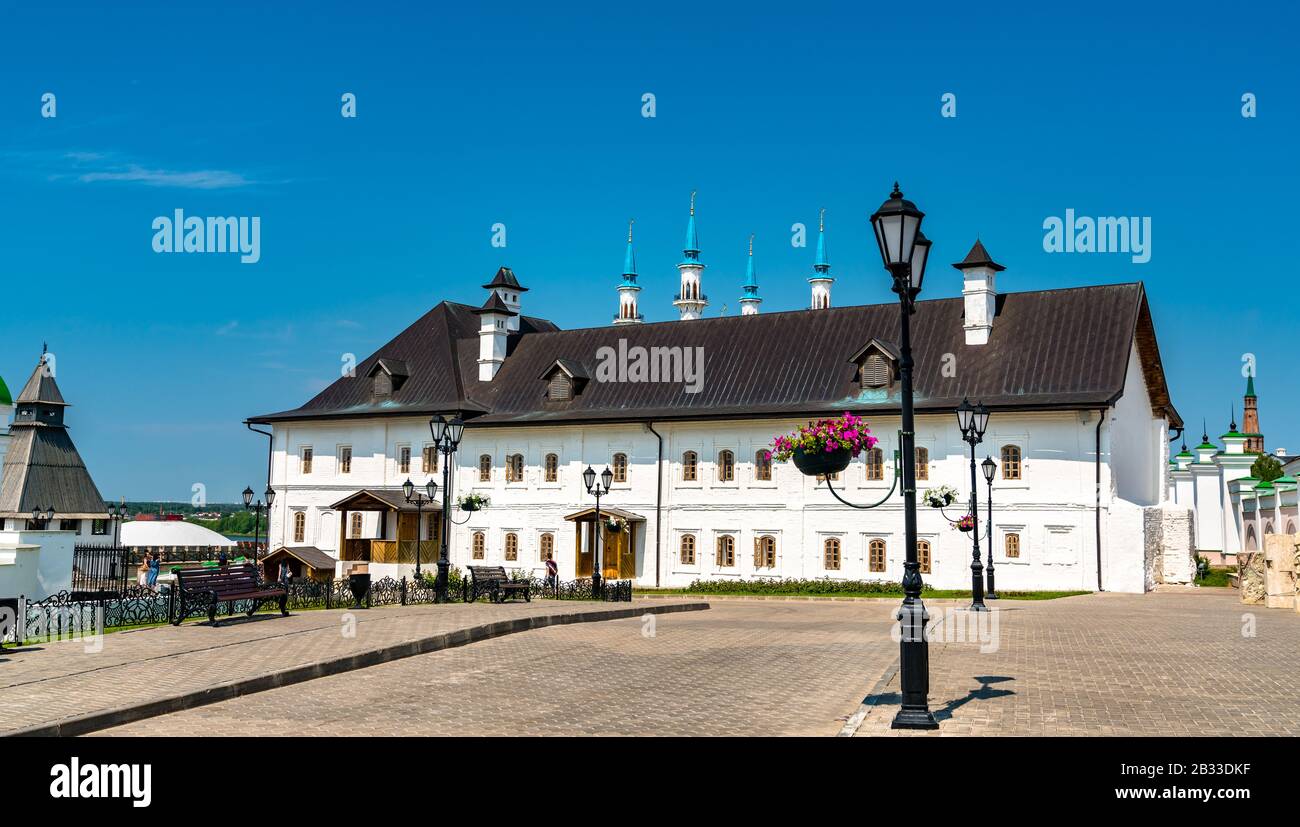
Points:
(823, 586)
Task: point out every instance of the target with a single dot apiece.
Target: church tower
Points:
(1250, 419)
(821, 280)
(690, 302)
(750, 301)
(628, 289)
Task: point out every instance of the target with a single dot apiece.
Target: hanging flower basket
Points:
(614, 525)
(826, 446)
(940, 496)
(473, 502)
(966, 523)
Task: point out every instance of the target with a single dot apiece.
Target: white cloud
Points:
(207, 179)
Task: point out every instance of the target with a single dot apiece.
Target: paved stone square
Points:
(58, 681)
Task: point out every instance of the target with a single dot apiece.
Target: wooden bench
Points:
(493, 581)
(211, 585)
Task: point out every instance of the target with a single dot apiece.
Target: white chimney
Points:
(979, 293)
(494, 328)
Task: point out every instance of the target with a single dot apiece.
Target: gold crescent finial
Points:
(630, 222)
(692, 202)
(821, 220)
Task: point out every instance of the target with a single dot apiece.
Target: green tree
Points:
(1266, 468)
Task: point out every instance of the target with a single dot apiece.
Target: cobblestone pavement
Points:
(49, 682)
(1113, 664)
(746, 668)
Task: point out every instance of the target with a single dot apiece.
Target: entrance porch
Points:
(617, 546)
(404, 534)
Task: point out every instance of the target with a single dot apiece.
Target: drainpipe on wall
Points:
(1101, 418)
(659, 491)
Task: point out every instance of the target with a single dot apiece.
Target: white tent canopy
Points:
(170, 533)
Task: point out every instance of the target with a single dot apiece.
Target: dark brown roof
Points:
(42, 469)
(41, 387)
(978, 257)
(505, 277)
(494, 304)
(312, 556)
(1053, 349)
(380, 499)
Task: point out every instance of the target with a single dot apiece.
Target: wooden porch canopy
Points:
(311, 562)
(588, 515)
(380, 499)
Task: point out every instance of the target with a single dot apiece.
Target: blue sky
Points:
(531, 116)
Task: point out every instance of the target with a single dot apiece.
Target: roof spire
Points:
(1233, 426)
(750, 301)
(629, 259)
(1205, 432)
(692, 249)
(821, 264)
(1250, 385)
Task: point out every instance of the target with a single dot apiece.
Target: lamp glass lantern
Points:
(606, 478)
(270, 496)
(430, 489)
(438, 427)
(49, 514)
(981, 421)
(920, 254)
(589, 478)
(965, 414)
(408, 488)
(989, 467)
(455, 429)
(897, 224)
(248, 497)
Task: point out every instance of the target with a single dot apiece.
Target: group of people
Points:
(147, 572)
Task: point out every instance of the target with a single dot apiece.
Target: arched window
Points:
(1268, 527)
(1012, 545)
(515, 468)
(300, 526)
(765, 552)
(485, 468)
(876, 555)
(512, 546)
(690, 462)
(763, 465)
(922, 463)
(688, 549)
(831, 554)
(1290, 527)
(478, 546)
(547, 546)
(726, 466)
(726, 557)
(552, 468)
(356, 523)
(1011, 462)
(923, 555)
(620, 468)
(1251, 544)
(875, 464)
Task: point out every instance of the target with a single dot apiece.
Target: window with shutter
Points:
(875, 372)
(560, 388)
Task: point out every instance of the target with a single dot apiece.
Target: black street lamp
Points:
(904, 251)
(43, 517)
(446, 439)
(598, 490)
(257, 508)
(117, 514)
(419, 501)
(989, 467)
(973, 420)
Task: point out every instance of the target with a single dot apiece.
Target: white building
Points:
(1079, 428)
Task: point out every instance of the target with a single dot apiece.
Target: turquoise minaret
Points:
(821, 280)
(750, 301)
(691, 301)
(628, 289)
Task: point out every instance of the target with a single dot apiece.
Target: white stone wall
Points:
(1051, 508)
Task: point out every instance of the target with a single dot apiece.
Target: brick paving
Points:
(1113, 664)
(51, 682)
(740, 668)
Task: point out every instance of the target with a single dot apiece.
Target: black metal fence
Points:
(77, 613)
(100, 569)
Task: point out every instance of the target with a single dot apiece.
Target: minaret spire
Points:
(821, 280)
(750, 301)
(691, 301)
(1250, 418)
(628, 288)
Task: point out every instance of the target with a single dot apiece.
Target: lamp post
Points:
(117, 514)
(43, 517)
(973, 420)
(989, 467)
(257, 508)
(419, 501)
(598, 490)
(904, 250)
(446, 439)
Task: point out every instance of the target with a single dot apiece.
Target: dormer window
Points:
(565, 379)
(388, 376)
(877, 363)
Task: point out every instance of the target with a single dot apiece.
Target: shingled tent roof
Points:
(1050, 350)
(42, 468)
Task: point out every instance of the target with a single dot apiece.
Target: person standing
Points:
(155, 566)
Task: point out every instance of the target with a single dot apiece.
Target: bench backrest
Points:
(220, 579)
(487, 574)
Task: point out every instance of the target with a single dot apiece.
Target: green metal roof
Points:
(5, 398)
